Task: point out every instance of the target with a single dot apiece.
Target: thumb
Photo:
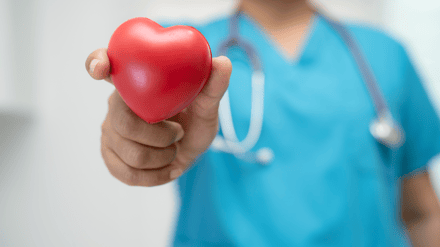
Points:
(206, 103)
(200, 119)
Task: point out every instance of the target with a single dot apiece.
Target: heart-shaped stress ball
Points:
(158, 71)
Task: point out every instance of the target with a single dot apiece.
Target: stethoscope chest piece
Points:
(386, 131)
(264, 156)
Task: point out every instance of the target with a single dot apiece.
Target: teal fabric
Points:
(330, 183)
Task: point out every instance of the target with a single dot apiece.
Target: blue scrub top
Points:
(330, 183)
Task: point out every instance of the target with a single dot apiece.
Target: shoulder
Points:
(386, 54)
(378, 44)
(372, 34)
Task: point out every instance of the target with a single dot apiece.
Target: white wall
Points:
(5, 45)
(54, 187)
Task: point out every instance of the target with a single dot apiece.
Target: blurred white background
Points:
(54, 187)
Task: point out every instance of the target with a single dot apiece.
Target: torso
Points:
(316, 119)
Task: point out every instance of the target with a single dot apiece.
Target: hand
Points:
(142, 154)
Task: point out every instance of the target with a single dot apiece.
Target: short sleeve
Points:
(419, 120)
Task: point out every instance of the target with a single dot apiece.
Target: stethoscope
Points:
(383, 128)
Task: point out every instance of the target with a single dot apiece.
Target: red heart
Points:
(158, 71)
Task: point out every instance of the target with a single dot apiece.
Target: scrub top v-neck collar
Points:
(310, 42)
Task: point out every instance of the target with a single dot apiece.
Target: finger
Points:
(127, 124)
(98, 65)
(206, 103)
(177, 117)
(132, 176)
(137, 155)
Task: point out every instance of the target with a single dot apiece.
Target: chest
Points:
(309, 98)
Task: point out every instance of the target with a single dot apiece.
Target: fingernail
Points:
(93, 65)
(175, 174)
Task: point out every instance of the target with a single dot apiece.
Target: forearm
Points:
(424, 231)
